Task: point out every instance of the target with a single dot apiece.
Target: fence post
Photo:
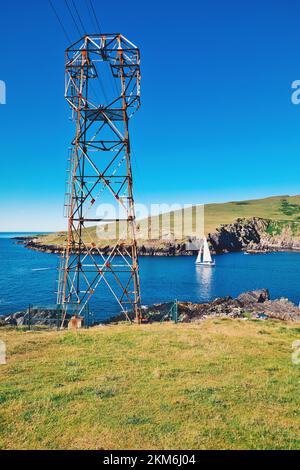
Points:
(175, 316)
(57, 316)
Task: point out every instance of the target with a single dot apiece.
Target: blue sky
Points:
(216, 121)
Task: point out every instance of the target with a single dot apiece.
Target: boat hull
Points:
(212, 264)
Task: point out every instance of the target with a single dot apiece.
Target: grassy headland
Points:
(221, 384)
(282, 209)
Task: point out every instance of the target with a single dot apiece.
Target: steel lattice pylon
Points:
(100, 170)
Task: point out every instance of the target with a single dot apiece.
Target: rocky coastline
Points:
(255, 235)
(146, 249)
(249, 305)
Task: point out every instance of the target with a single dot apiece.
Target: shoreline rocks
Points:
(38, 317)
(253, 304)
(165, 249)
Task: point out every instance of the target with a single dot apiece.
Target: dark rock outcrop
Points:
(237, 236)
(256, 235)
(256, 296)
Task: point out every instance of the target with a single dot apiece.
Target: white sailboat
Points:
(204, 257)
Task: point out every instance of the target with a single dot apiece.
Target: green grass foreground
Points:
(220, 384)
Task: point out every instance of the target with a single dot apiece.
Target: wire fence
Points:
(56, 316)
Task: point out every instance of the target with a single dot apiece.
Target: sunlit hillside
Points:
(181, 224)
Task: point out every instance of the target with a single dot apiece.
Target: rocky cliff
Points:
(238, 236)
(256, 235)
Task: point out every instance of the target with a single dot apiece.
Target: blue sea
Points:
(29, 277)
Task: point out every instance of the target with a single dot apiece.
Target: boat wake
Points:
(41, 269)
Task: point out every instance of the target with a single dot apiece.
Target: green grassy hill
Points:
(221, 384)
(281, 208)
(285, 208)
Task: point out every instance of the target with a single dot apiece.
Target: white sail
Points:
(204, 256)
(198, 260)
(199, 257)
(206, 253)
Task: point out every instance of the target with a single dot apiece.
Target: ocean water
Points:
(28, 276)
(19, 234)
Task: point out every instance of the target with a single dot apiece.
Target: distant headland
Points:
(254, 226)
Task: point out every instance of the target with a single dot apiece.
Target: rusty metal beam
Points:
(100, 170)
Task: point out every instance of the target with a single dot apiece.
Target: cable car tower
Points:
(101, 249)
